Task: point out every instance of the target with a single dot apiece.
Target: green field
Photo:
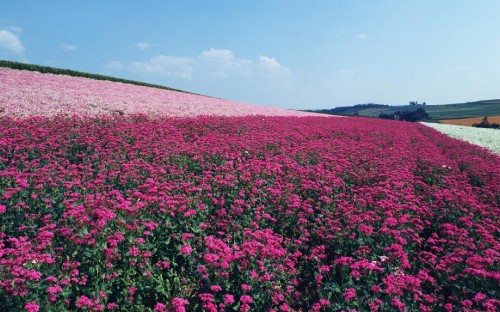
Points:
(436, 112)
(465, 110)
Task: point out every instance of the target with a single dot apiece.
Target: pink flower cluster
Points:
(27, 93)
(246, 213)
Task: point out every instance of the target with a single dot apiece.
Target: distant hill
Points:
(436, 112)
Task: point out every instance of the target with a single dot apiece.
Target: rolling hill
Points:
(436, 112)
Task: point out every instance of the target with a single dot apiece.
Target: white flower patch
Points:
(489, 138)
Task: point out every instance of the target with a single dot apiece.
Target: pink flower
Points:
(186, 250)
(32, 307)
(350, 294)
(179, 304)
(3, 208)
(466, 303)
(366, 229)
(228, 299)
(134, 251)
(84, 301)
(160, 307)
(398, 304)
(210, 258)
(245, 287)
(479, 296)
(111, 306)
(54, 289)
(246, 299)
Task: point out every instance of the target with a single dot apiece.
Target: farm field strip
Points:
(469, 121)
(487, 138)
(129, 213)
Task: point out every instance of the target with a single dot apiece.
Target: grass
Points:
(464, 110)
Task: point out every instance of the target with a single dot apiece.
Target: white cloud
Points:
(114, 65)
(269, 61)
(209, 64)
(222, 63)
(68, 47)
(10, 42)
(361, 36)
(143, 45)
(273, 66)
(167, 65)
(218, 54)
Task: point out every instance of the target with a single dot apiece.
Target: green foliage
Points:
(408, 115)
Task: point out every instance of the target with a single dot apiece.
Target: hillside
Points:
(32, 93)
(109, 202)
(436, 112)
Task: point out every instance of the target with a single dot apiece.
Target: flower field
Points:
(27, 93)
(488, 138)
(109, 203)
(141, 213)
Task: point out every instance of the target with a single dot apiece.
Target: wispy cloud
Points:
(211, 63)
(68, 47)
(166, 65)
(10, 42)
(361, 36)
(272, 66)
(222, 54)
(143, 45)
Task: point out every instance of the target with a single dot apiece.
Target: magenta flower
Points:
(228, 299)
(245, 287)
(186, 250)
(350, 294)
(32, 307)
(160, 307)
(179, 304)
(246, 299)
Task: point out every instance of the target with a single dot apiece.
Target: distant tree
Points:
(486, 124)
(408, 115)
(386, 116)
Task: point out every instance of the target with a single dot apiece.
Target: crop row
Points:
(136, 213)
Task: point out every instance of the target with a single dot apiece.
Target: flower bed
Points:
(488, 138)
(28, 93)
(137, 213)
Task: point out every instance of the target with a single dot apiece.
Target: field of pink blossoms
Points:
(27, 93)
(252, 213)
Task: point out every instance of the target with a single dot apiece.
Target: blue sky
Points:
(304, 54)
